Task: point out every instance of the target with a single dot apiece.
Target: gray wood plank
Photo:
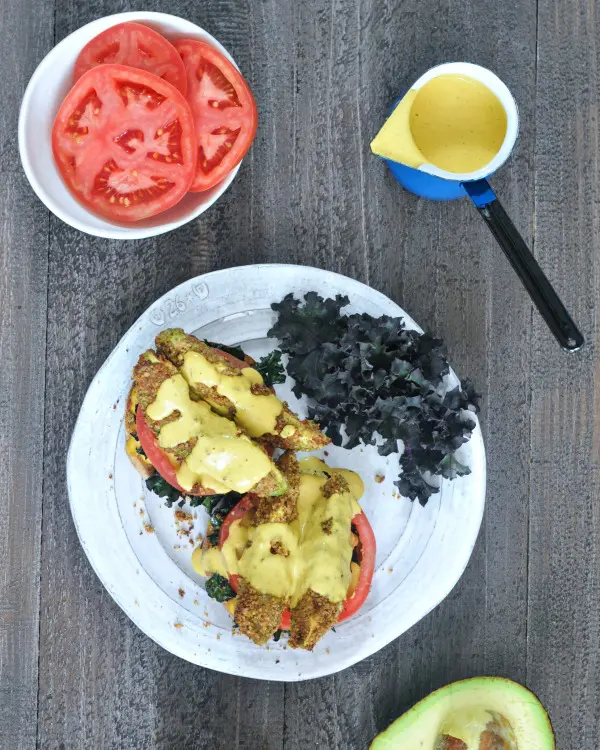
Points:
(310, 192)
(564, 607)
(103, 683)
(25, 31)
(440, 263)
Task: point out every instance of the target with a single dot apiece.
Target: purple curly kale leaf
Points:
(382, 383)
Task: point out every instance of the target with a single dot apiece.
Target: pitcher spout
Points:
(395, 141)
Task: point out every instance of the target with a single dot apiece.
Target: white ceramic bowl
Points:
(47, 88)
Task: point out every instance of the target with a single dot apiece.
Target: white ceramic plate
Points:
(421, 552)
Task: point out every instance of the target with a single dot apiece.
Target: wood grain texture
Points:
(310, 192)
(564, 602)
(102, 683)
(26, 32)
(439, 262)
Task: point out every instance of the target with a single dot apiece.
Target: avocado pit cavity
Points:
(476, 729)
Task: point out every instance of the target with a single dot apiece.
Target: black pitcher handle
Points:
(521, 259)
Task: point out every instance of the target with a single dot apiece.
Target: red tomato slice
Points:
(124, 142)
(137, 46)
(157, 456)
(160, 460)
(368, 548)
(235, 514)
(224, 111)
(286, 620)
(367, 559)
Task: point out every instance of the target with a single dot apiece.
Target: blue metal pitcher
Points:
(429, 181)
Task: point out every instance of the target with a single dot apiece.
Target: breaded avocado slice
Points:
(250, 403)
(149, 374)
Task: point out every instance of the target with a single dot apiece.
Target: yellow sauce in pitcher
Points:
(453, 121)
(457, 123)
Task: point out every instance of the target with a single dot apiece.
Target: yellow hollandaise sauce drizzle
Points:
(318, 467)
(270, 573)
(222, 459)
(317, 545)
(453, 121)
(324, 565)
(256, 413)
(209, 561)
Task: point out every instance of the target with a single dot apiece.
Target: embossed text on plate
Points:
(172, 307)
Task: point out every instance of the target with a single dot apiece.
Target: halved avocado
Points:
(477, 714)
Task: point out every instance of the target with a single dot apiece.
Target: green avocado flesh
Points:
(485, 713)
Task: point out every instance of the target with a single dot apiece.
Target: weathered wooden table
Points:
(74, 671)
